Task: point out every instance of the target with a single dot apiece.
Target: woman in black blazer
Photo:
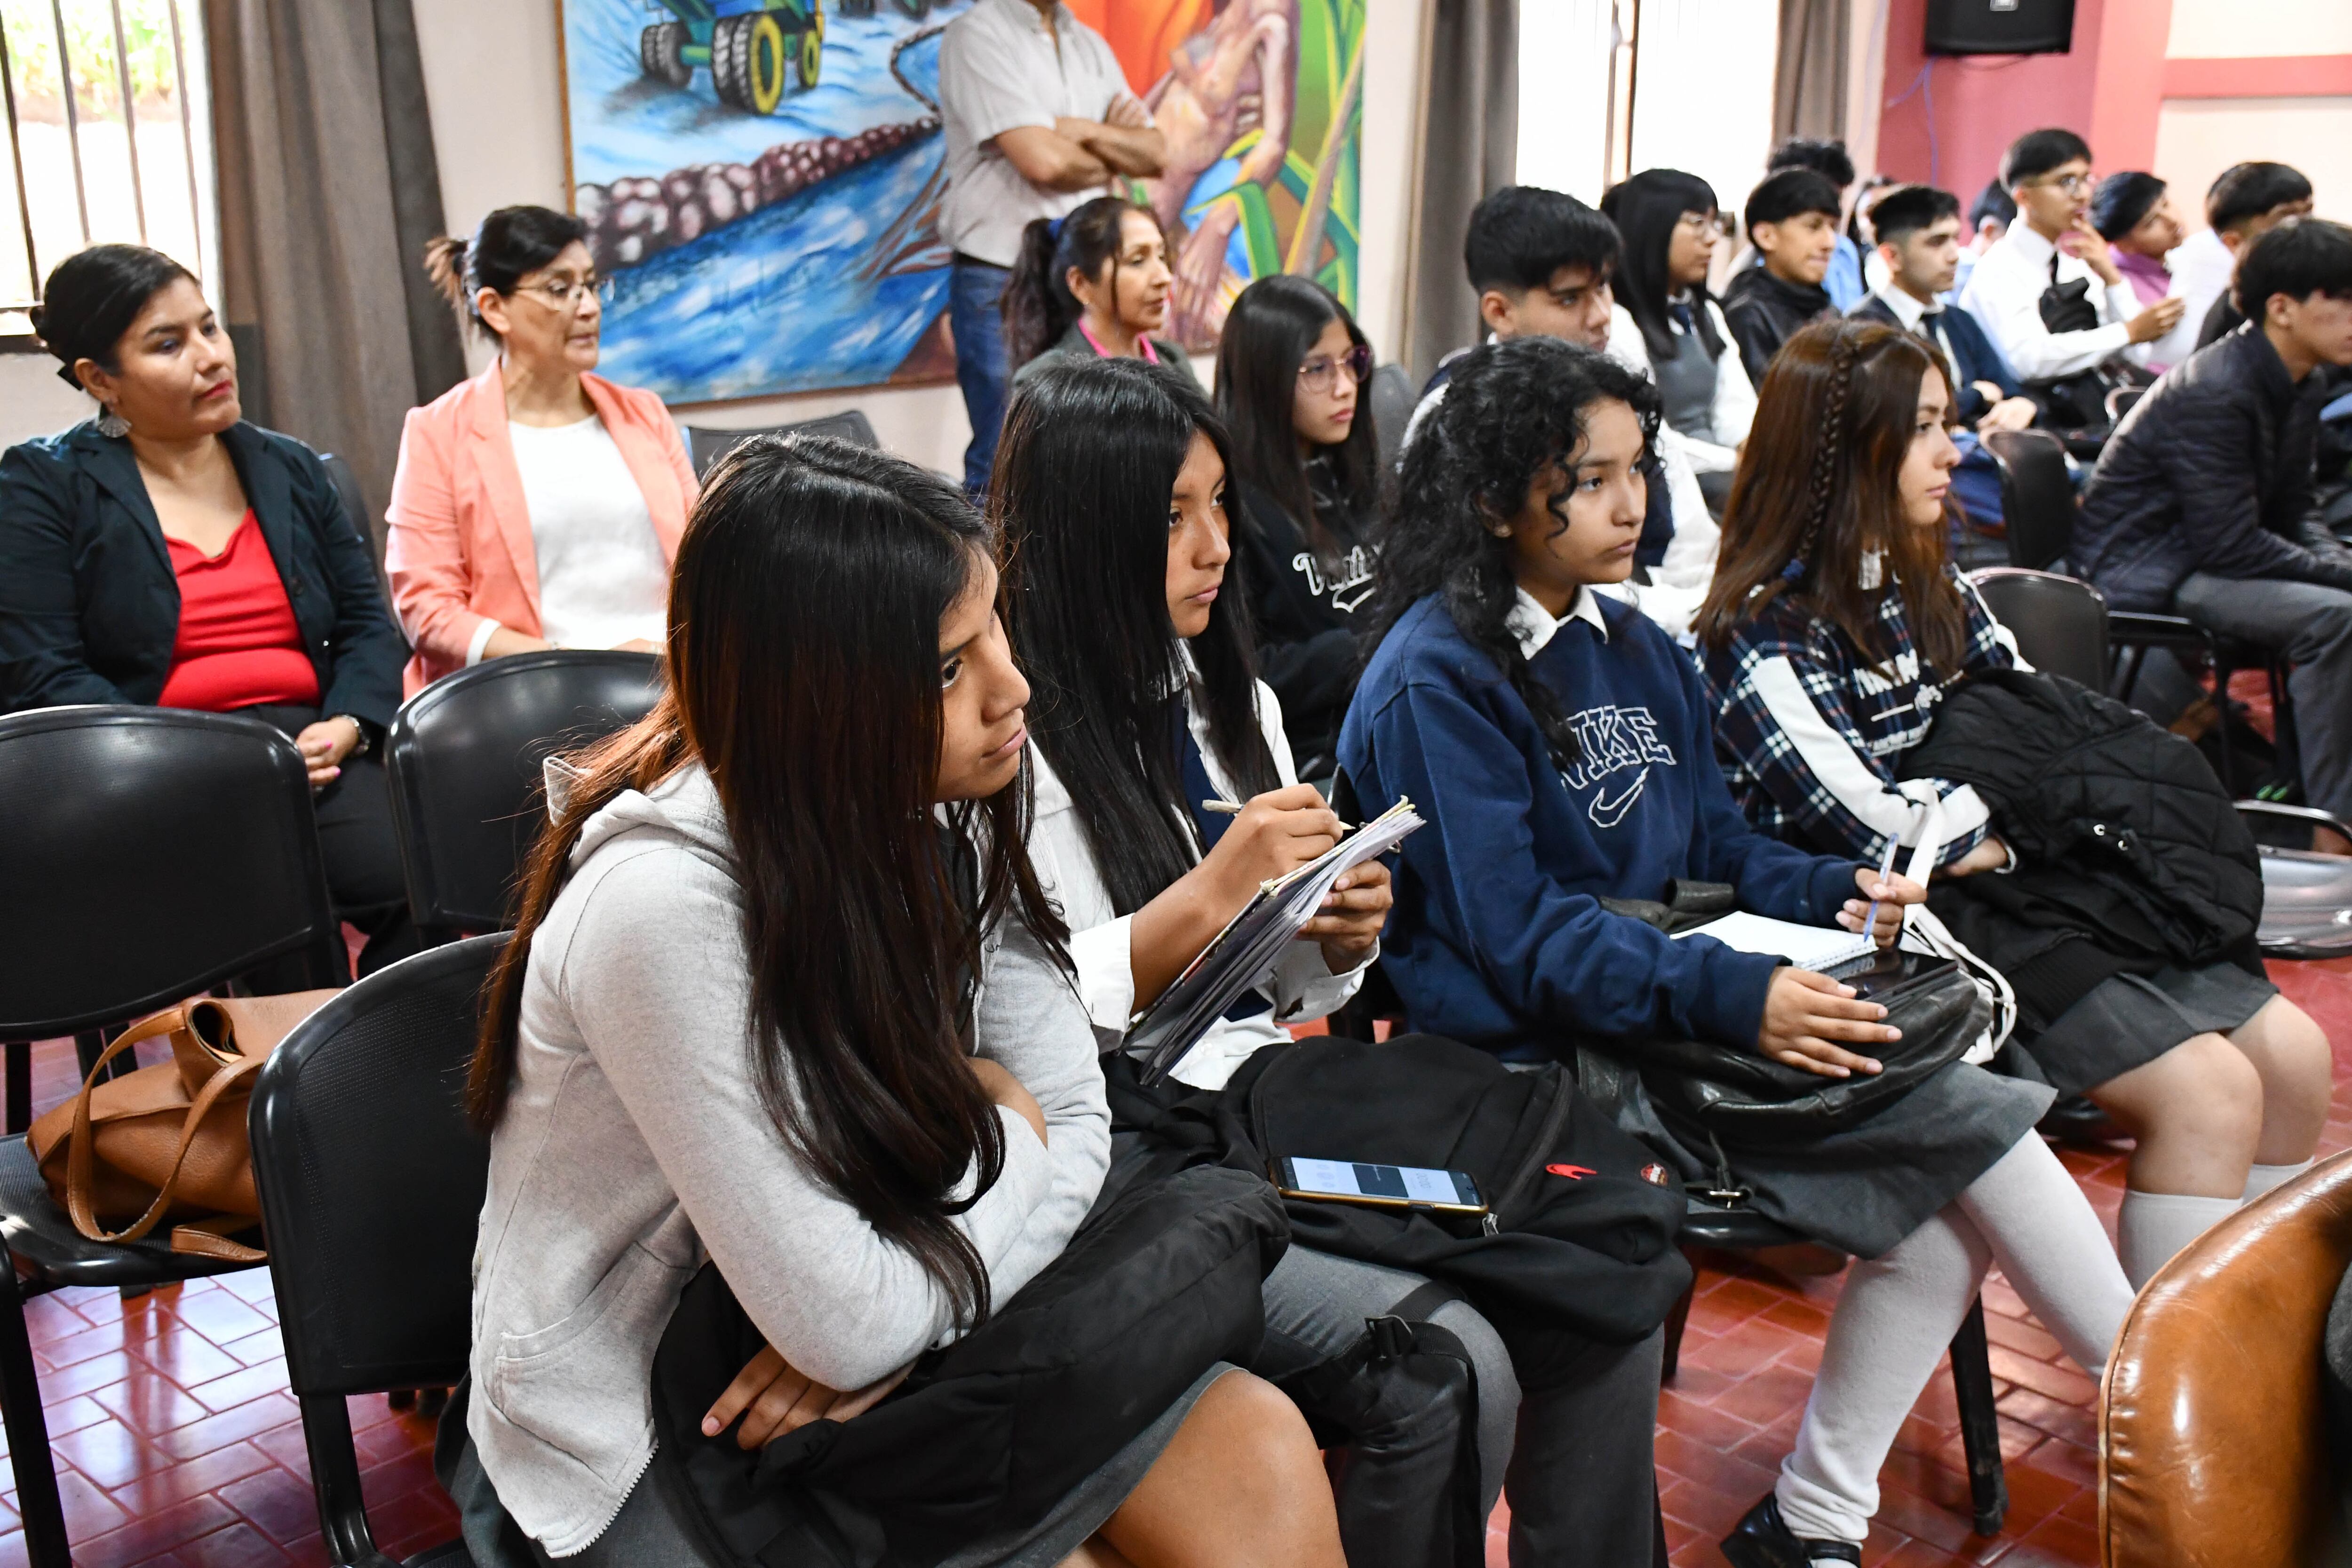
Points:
(168, 554)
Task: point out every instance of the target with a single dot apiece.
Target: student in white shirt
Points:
(2052, 246)
(1038, 116)
(2245, 202)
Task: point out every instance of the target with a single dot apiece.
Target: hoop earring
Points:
(110, 423)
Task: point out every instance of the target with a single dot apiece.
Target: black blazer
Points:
(89, 607)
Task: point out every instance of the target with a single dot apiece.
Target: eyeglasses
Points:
(564, 293)
(1703, 221)
(1320, 371)
(2072, 185)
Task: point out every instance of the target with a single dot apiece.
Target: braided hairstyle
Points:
(1510, 411)
(1818, 494)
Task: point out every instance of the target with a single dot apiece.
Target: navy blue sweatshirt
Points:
(1497, 937)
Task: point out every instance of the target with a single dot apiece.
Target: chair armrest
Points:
(2278, 811)
(2139, 626)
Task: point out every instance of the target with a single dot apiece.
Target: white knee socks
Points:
(2265, 1179)
(1898, 1313)
(2154, 1226)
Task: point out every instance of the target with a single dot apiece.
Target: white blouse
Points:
(601, 578)
(1302, 985)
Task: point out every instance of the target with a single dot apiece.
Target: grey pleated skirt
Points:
(2129, 1020)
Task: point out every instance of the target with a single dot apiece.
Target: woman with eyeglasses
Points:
(537, 505)
(1288, 369)
(1669, 221)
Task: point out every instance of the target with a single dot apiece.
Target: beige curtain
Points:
(1471, 147)
(328, 189)
(1809, 86)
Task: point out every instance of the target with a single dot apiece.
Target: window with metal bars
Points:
(109, 137)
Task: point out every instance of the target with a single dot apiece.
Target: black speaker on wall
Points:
(2000, 27)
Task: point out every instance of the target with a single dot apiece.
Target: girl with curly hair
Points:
(1562, 752)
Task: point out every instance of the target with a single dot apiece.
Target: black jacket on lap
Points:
(90, 608)
(1765, 310)
(2210, 471)
(2126, 844)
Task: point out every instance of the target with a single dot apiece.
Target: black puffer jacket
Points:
(2211, 471)
(2120, 827)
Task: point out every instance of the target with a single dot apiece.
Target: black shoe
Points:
(1763, 1540)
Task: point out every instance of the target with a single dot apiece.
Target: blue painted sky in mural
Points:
(797, 296)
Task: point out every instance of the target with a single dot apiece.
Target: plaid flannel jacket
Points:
(1809, 730)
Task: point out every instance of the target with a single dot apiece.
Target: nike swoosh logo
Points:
(1607, 813)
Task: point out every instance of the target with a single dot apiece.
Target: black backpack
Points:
(986, 1435)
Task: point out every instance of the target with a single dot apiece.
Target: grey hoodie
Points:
(633, 1146)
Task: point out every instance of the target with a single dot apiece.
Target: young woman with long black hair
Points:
(1562, 752)
(1681, 341)
(1112, 489)
(1826, 672)
(1307, 463)
(1093, 284)
(752, 1011)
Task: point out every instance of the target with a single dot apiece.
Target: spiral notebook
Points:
(1817, 948)
(1245, 952)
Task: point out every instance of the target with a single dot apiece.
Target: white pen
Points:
(1885, 869)
(1234, 809)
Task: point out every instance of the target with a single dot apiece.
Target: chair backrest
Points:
(1393, 399)
(464, 756)
(371, 1178)
(2060, 623)
(705, 446)
(2037, 496)
(372, 525)
(147, 854)
(2212, 1441)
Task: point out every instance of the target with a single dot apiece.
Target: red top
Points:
(238, 643)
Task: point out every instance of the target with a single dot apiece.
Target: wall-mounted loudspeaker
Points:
(2000, 27)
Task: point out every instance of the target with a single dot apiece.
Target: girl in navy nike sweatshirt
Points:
(1561, 751)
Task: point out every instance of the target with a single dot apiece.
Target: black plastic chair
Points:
(463, 757)
(372, 1183)
(1707, 1226)
(151, 854)
(707, 446)
(2037, 496)
(2060, 623)
(1392, 397)
(371, 526)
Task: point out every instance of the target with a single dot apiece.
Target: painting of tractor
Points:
(748, 46)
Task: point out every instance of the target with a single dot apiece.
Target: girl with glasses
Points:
(1094, 284)
(537, 505)
(1290, 368)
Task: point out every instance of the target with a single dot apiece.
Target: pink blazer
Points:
(458, 550)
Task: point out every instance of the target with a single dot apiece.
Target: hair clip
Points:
(1794, 571)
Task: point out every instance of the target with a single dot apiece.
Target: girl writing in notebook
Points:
(1824, 674)
(1561, 749)
(1113, 492)
(752, 1012)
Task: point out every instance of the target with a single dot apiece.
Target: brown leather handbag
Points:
(168, 1141)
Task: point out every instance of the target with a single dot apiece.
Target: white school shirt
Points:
(2201, 266)
(1734, 395)
(2004, 294)
(601, 578)
(1302, 985)
(1000, 68)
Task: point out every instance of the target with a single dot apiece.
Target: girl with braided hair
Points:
(1835, 628)
(1563, 750)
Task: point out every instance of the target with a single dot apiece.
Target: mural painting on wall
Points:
(762, 178)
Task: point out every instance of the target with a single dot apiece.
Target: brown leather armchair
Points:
(2212, 1449)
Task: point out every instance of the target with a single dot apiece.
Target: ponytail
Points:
(508, 247)
(1037, 305)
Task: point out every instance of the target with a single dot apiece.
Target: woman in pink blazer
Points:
(536, 505)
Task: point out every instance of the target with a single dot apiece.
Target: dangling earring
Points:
(1873, 571)
(111, 423)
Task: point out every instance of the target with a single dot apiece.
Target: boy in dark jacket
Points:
(2201, 501)
(1792, 221)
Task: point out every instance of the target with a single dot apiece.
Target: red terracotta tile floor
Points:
(176, 1442)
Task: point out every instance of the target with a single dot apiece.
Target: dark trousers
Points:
(357, 845)
(974, 289)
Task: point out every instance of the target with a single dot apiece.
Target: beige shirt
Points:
(1002, 67)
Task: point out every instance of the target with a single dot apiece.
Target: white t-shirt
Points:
(601, 578)
(999, 69)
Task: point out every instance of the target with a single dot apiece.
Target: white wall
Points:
(2208, 29)
(495, 87)
(34, 402)
(2198, 138)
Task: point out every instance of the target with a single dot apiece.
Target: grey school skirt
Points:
(654, 1528)
(2129, 1020)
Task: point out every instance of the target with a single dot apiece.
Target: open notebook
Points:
(1817, 948)
(1247, 950)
